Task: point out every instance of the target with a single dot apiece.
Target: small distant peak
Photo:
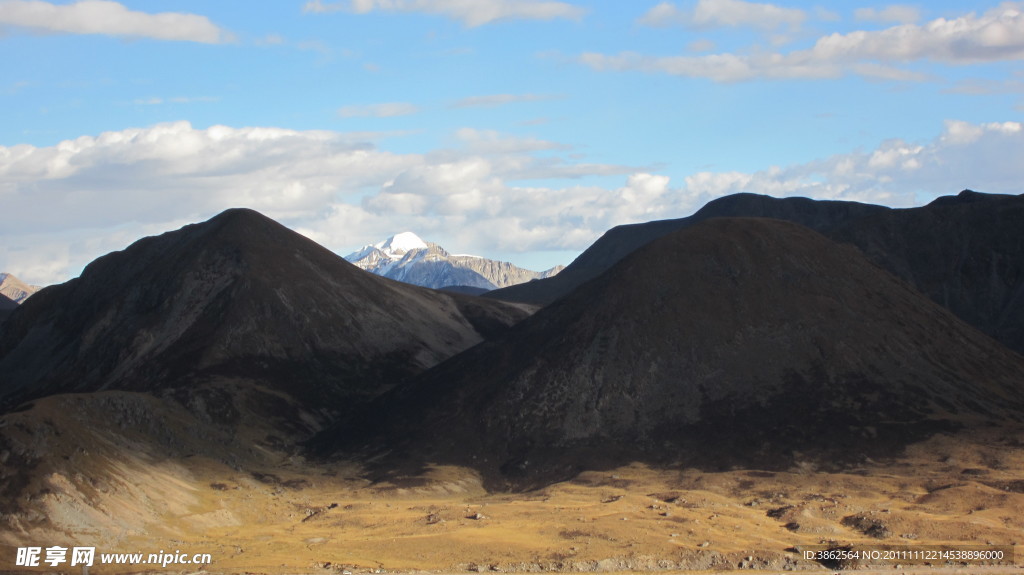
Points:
(970, 196)
(15, 289)
(10, 279)
(966, 197)
(402, 243)
(552, 271)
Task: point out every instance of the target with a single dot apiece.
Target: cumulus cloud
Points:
(468, 195)
(471, 13)
(385, 110)
(111, 19)
(146, 175)
(896, 13)
(724, 13)
(69, 203)
(995, 36)
(896, 173)
(474, 194)
(65, 205)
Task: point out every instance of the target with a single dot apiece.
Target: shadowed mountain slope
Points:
(966, 252)
(238, 296)
(7, 305)
(749, 342)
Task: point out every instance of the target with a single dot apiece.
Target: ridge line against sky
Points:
(518, 130)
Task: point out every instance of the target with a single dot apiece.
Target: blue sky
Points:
(513, 129)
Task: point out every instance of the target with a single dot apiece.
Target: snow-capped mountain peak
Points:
(408, 258)
(402, 243)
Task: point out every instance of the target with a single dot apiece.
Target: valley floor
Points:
(295, 517)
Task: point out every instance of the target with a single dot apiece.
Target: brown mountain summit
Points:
(734, 341)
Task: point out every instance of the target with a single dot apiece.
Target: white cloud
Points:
(492, 100)
(725, 13)
(385, 110)
(471, 13)
(318, 46)
(826, 15)
(875, 71)
(271, 40)
(664, 14)
(995, 36)
(896, 13)
(473, 195)
(109, 18)
(701, 45)
(897, 173)
(988, 86)
(15, 87)
(493, 142)
(149, 174)
(469, 196)
(717, 67)
(156, 101)
(64, 205)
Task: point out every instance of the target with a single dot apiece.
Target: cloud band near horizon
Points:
(69, 203)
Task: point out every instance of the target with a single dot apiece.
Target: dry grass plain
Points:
(271, 512)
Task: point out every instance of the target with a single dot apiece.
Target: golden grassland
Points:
(278, 513)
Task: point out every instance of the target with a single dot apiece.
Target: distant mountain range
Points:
(407, 258)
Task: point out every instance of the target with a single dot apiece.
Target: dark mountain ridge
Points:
(966, 252)
(621, 241)
(238, 296)
(749, 342)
